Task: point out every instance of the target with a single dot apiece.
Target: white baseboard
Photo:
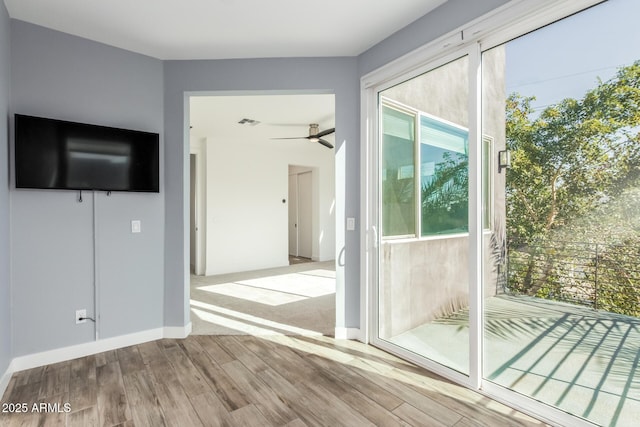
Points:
(347, 334)
(80, 350)
(179, 332)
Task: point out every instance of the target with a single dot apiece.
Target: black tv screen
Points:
(55, 154)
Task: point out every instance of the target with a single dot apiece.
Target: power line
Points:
(529, 83)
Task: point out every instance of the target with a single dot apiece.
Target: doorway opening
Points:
(300, 214)
(251, 146)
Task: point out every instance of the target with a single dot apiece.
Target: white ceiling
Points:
(215, 29)
(279, 116)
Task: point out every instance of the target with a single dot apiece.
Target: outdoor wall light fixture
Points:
(504, 160)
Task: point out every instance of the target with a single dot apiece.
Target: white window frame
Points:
(404, 109)
(489, 140)
(514, 19)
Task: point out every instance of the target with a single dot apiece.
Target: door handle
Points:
(374, 230)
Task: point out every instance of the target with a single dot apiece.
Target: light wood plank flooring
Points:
(247, 381)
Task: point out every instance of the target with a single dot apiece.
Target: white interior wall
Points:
(197, 146)
(325, 222)
(247, 222)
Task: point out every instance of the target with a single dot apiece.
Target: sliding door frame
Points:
(472, 54)
(512, 20)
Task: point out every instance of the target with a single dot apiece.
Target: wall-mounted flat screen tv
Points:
(55, 154)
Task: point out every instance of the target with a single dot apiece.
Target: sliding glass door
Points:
(561, 324)
(423, 293)
(505, 191)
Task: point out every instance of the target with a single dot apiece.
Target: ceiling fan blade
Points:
(295, 137)
(325, 132)
(325, 143)
(289, 125)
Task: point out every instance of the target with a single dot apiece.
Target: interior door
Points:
(293, 215)
(305, 215)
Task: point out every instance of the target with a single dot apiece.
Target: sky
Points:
(566, 58)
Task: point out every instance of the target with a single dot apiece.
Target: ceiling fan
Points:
(315, 135)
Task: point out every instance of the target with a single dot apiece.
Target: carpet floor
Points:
(294, 300)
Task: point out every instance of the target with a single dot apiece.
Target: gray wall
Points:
(447, 17)
(57, 75)
(5, 294)
(65, 77)
(319, 75)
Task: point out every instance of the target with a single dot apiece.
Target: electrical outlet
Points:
(81, 314)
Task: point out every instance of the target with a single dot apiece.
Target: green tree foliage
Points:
(618, 282)
(445, 196)
(574, 159)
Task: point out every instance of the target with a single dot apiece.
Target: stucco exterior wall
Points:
(423, 279)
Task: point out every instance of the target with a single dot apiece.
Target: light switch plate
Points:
(351, 224)
(136, 226)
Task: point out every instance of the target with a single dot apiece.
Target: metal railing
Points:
(597, 275)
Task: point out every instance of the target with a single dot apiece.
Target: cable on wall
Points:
(96, 287)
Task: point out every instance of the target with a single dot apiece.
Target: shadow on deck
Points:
(583, 361)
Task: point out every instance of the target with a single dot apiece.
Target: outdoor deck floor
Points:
(583, 361)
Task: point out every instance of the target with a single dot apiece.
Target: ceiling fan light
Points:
(315, 135)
